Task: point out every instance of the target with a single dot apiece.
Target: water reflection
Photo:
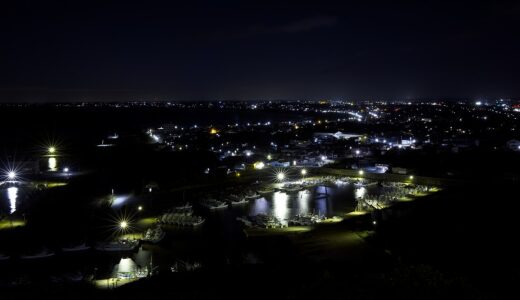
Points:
(52, 164)
(280, 206)
(303, 202)
(12, 195)
(321, 206)
(260, 206)
(360, 192)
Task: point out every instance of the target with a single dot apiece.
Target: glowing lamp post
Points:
(303, 172)
(52, 150)
(11, 175)
(123, 225)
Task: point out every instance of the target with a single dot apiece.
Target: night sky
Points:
(204, 50)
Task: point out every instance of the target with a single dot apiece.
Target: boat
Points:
(42, 254)
(81, 247)
(186, 208)
(180, 219)
(213, 204)
(154, 235)
(265, 221)
(305, 219)
(119, 245)
(252, 195)
(265, 191)
(237, 200)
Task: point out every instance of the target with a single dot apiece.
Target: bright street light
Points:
(140, 208)
(123, 224)
(280, 176)
(303, 172)
(11, 175)
(52, 150)
(361, 172)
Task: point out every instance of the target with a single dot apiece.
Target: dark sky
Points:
(259, 49)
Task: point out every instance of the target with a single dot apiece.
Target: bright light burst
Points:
(121, 222)
(280, 174)
(10, 172)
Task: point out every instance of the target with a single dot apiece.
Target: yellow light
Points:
(238, 174)
(411, 177)
(123, 224)
(52, 150)
(304, 172)
(259, 165)
(140, 208)
(269, 157)
(361, 172)
(213, 131)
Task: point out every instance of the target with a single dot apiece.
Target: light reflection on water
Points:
(12, 195)
(260, 206)
(52, 164)
(303, 201)
(326, 201)
(280, 206)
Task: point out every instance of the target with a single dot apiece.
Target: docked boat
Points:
(237, 200)
(213, 204)
(154, 235)
(305, 220)
(119, 245)
(42, 254)
(186, 208)
(252, 195)
(262, 221)
(177, 219)
(81, 247)
(265, 191)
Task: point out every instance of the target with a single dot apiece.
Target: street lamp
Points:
(140, 208)
(11, 175)
(361, 172)
(280, 176)
(52, 150)
(303, 172)
(123, 225)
